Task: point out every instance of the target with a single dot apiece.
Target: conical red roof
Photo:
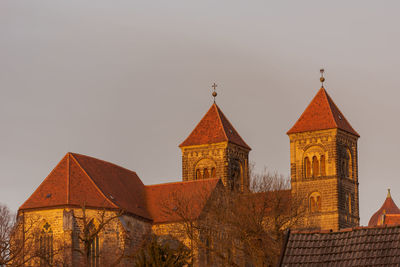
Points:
(321, 114)
(388, 207)
(214, 127)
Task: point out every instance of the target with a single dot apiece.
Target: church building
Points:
(83, 192)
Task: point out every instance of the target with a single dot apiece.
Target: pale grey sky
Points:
(126, 81)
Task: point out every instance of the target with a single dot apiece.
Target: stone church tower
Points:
(324, 165)
(214, 149)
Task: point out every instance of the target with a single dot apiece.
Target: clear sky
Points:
(126, 81)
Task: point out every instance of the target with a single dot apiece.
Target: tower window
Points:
(322, 166)
(315, 202)
(198, 175)
(348, 203)
(315, 167)
(213, 173)
(206, 173)
(307, 167)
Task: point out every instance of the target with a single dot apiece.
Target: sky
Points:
(127, 81)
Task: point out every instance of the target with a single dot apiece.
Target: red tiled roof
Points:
(392, 219)
(214, 127)
(171, 202)
(322, 113)
(82, 180)
(388, 207)
(361, 246)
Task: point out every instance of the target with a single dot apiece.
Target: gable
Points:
(51, 192)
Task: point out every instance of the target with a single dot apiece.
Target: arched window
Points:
(206, 173)
(312, 204)
(315, 166)
(349, 167)
(315, 202)
(307, 167)
(213, 173)
(346, 163)
(348, 203)
(198, 174)
(46, 245)
(204, 169)
(236, 175)
(318, 203)
(94, 248)
(322, 166)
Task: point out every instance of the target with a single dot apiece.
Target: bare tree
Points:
(91, 223)
(235, 227)
(7, 224)
(19, 240)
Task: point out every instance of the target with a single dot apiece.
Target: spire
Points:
(388, 194)
(321, 114)
(322, 79)
(214, 93)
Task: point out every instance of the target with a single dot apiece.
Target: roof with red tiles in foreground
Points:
(361, 246)
(214, 127)
(388, 214)
(321, 114)
(80, 180)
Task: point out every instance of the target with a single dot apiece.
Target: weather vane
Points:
(214, 93)
(322, 79)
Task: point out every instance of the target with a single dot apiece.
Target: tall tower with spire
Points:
(324, 164)
(214, 149)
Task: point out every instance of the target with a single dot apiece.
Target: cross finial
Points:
(214, 93)
(322, 79)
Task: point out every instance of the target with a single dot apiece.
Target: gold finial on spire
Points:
(214, 93)
(322, 79)
(388, 195)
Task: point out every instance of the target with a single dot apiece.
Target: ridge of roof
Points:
(322, 113)
(350, 229)
(214, 127)
(103, 161)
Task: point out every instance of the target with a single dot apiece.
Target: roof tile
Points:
(372, 246)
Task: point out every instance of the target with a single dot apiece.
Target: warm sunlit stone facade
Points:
(324, 171)
(60, 231)
(324, 165)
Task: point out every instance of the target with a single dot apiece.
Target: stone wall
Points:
(121, 235)
(334, 185)
(226, 157)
